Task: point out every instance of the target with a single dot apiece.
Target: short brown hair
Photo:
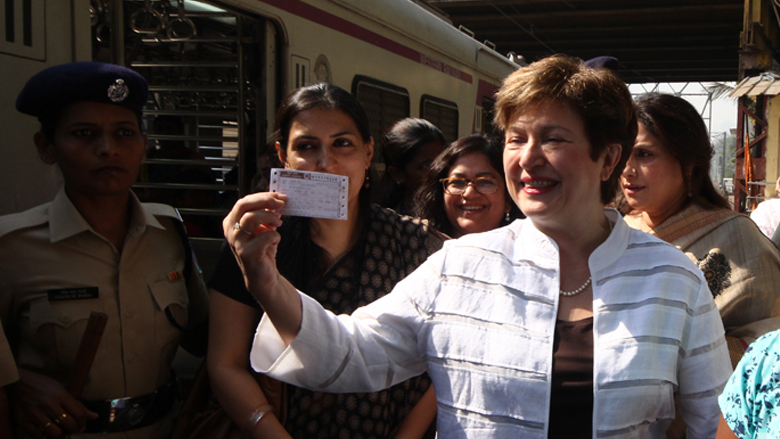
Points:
(598, 96)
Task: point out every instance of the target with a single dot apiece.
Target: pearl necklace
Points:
(577, 291)
(587, 282)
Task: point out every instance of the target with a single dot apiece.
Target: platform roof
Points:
(655, 40)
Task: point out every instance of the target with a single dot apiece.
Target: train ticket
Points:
(311, 194)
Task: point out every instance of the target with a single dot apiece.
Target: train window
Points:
(443, 114)
(384, 103)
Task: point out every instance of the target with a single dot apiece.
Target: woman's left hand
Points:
(43, 408)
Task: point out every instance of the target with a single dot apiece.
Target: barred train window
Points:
(443, 114)
(384, 103)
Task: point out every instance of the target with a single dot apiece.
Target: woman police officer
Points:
(95, 247)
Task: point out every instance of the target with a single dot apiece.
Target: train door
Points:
(212, 74)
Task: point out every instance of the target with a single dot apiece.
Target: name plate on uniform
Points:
(311, 194)
(73, 293)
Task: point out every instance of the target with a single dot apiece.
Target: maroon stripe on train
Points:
(316, 15)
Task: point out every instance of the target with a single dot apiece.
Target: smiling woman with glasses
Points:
(484, 185)
(464, 192)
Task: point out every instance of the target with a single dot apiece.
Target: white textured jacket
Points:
(480, 315)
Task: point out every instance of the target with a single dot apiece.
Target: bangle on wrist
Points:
(259, 414)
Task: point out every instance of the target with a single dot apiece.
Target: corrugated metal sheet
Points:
(765, 84)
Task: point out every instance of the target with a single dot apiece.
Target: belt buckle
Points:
(129, 413)
(126, 414)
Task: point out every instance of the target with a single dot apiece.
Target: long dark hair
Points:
(326, 97)
(399, 146)
(299, 259)
(681, 130)
(429, 199)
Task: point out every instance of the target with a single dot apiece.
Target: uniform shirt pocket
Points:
(172, 310)
(57, 326)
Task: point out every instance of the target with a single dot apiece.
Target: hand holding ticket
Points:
(311, 194)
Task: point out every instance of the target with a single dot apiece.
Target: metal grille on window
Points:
(384, 107)
(203, 118)
(444, 115)
(385, 104)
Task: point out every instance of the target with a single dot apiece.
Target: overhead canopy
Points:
(766, 84)
(655, 40)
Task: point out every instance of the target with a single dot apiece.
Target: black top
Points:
(390, 247)
(571, 398)
(228, 279)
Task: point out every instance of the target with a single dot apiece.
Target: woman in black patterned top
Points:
(345, 264)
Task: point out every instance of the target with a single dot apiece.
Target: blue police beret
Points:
(609, 62)
(52, 89)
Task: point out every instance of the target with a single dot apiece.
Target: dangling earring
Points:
(367, 181)
(507, 217)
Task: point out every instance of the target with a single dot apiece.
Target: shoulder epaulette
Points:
(158, 209)
(29, 218)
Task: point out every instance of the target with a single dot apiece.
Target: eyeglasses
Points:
(457, 185)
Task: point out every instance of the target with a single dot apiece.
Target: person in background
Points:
(667, 186)
(345, 264)
(8, 376)
(95, 247)
(409, 147)
(568, 324)
(465, 191)
(767, 214)
(751, 400)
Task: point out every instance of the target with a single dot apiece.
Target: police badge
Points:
(118, 91)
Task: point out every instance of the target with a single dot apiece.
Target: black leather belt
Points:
(123, 414)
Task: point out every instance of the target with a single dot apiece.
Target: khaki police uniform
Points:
(8, 372)
(55, 270)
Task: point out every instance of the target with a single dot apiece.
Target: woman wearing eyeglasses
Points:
(464, 192)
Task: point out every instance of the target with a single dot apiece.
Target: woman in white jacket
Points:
(567, 324)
